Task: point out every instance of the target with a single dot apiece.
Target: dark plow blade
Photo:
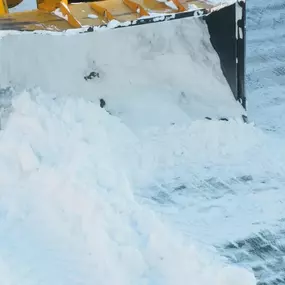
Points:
(228, 37)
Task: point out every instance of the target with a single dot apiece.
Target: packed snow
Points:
(152, 59)
(70, 213)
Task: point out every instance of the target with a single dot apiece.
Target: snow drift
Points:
(69, 212)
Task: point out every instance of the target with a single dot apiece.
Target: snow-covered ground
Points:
(90, 195)
(70, 212)
(266, 65)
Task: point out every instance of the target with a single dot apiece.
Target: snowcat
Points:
(190, 52)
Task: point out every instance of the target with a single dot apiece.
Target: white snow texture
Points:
(77, 180)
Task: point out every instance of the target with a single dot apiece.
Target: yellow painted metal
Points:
(66, 12)
(135, 7)
(179, 6)
(86, 15)
(48, 5)
(118, 10)
(33, 20)
(155, 6)
(103, 12)
(3, 7)
(59, 15)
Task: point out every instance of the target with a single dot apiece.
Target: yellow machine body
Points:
(60, 15)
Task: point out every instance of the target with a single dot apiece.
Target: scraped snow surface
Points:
(124, 194)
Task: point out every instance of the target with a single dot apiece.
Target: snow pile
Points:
(68, 210)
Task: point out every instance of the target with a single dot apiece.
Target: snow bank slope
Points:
(68, 210)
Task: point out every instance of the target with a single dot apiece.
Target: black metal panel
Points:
(227, 35)
(241, 53)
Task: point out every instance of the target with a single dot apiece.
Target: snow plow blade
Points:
(191, 53)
